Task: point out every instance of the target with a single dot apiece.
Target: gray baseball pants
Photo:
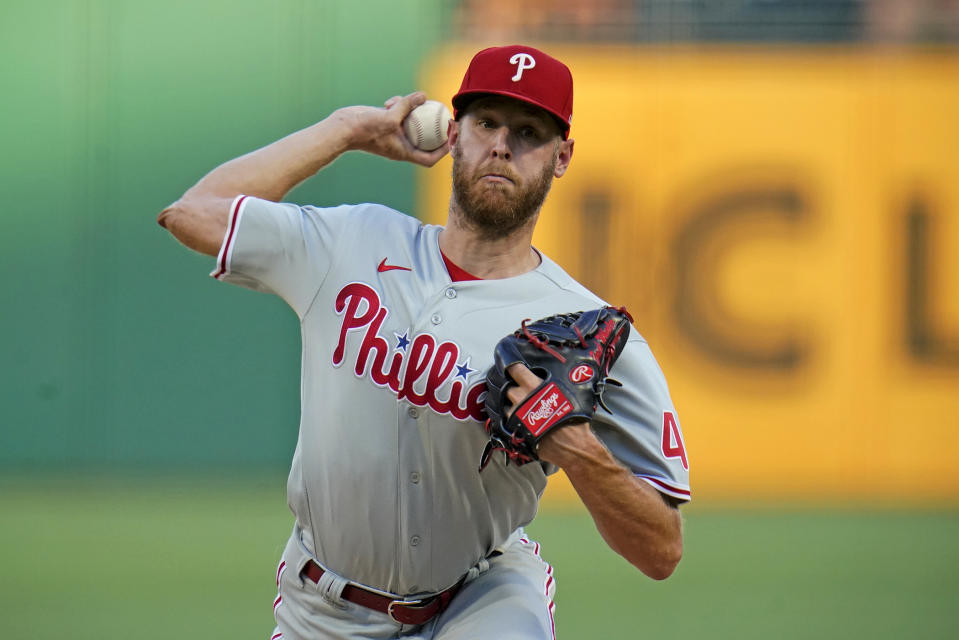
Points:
(508, 597)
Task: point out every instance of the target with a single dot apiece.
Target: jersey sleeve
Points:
(280, 248)
(643, 432)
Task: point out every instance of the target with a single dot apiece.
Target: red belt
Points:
(415, 612)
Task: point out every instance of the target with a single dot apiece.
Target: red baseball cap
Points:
(523, 73)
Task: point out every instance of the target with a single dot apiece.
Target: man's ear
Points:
(452, 132)
(564, 157)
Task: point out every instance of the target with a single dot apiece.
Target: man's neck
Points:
(488, 258)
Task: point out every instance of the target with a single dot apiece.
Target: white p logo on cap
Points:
(523, 61)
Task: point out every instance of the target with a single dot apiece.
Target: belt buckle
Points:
(419, 603)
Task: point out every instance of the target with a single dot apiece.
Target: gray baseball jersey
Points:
(384, 480)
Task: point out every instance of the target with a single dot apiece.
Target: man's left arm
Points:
(634, 519)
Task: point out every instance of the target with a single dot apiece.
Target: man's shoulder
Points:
(567, 286)
(571, 295)
(370, 211)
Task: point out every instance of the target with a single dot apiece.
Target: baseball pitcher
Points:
(446, 371)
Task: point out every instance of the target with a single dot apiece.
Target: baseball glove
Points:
(573, 353)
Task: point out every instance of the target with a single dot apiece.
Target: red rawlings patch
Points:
(545, 409)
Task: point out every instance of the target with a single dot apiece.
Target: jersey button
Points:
(436, 318)
(414, 541)
(415, 477)
(451, 293)
(413, 413)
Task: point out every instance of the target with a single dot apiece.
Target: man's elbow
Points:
(660, 564)
(165, 219)
(187, 210)
(197, 224)
(178, 214)
(666, 563)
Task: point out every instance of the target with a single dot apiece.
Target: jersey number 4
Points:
(673, 446)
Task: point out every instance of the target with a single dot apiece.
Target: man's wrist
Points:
(569, 446)
(340, 132)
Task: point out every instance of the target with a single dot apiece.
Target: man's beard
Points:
(491, 210)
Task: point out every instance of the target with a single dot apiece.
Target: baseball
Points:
(426, 125)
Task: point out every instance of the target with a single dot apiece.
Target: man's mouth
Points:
(497, 178)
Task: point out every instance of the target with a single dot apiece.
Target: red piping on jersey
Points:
(225, 250)
(457, 274)
(668, 487)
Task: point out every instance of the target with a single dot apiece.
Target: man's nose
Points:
(501, 148)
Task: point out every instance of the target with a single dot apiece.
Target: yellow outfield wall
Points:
(784, 227)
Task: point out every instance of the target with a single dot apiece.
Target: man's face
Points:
(505, 155)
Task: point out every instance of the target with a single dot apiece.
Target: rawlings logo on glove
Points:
(573, 353)
(544, 410)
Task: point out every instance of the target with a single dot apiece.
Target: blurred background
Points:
(770, 186)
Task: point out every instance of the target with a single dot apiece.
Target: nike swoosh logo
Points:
(390, 267)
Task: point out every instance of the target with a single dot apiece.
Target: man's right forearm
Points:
(272, 171)
(199, 218)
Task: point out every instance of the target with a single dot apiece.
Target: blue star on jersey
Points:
(463, 370)
(402, 341)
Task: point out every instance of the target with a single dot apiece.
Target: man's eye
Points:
(484, 123)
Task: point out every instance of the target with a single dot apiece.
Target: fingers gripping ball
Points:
(573, 353)
(426, 125)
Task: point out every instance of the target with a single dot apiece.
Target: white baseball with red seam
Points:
(426, 125)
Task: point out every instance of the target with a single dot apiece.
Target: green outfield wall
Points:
(117, 349)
